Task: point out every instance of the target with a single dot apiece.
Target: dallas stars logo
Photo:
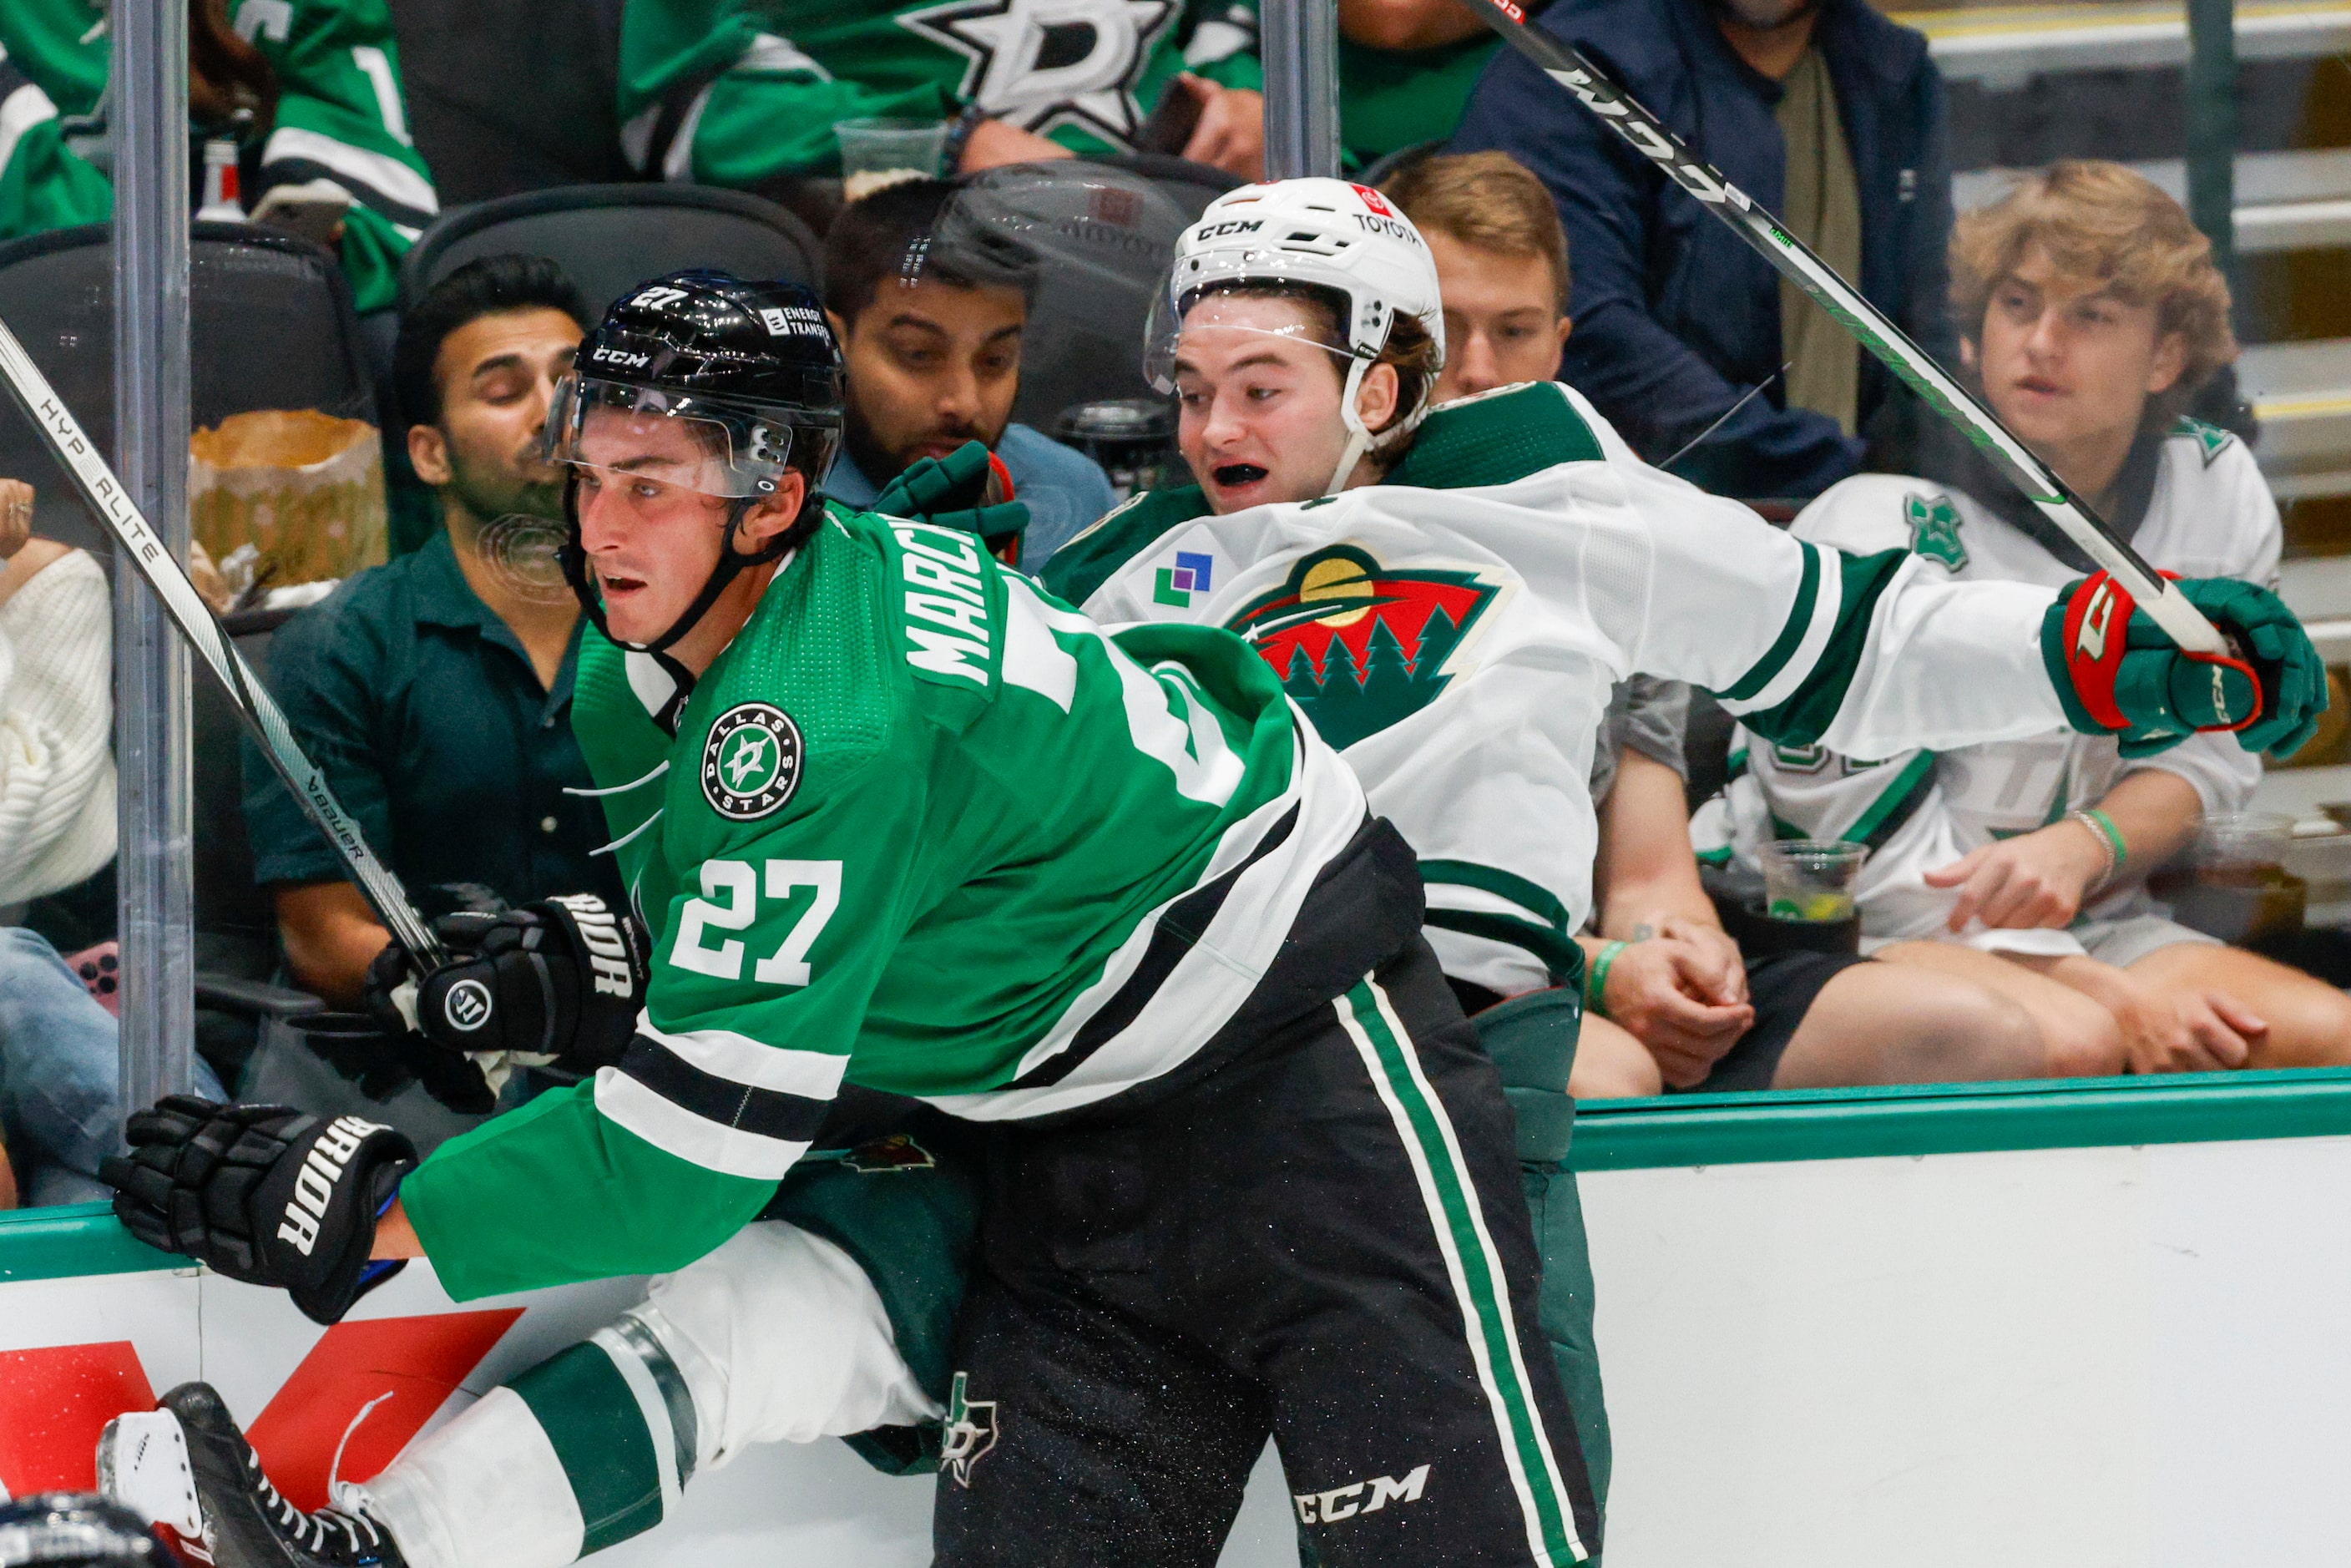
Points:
(1041, 63)
(968, 1434)
(1935, 530)
(1360, 647)
(2211, 439)
(751, 763)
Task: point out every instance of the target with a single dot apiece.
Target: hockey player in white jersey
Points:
(2093, 313)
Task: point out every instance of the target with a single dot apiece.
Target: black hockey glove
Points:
(968, 489)
(559, 981)
(263, 1194)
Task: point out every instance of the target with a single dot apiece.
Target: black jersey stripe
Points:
(1180, 925)
(766, 1112)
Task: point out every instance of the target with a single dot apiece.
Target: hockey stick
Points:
(194, 619)
(1572, 70)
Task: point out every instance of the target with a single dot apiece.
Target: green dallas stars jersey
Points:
(340, 119)
(730, 92)
(1457, 632)
(923, 829)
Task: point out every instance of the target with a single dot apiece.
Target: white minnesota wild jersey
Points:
(2204, 512)
(1456, 631)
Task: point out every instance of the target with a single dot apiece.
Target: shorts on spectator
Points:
(1783, 987)
(2124, 941)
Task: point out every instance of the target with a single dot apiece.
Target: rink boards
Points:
(2068, 1325)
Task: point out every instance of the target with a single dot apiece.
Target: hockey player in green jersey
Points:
(320, 81)
(735, 92)
(895, 818)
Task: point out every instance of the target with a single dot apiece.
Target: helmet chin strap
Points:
(730, 564)
(1359, 434)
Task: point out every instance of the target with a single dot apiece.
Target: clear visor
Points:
(1219, 328)
(659, 440)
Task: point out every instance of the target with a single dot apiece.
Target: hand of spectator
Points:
(1712, 940)
(1664, 992)
(992, 142)
(16, 516)
(1231, 132)
(2036, 879)
(2189, 1031)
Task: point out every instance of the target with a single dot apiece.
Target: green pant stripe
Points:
(1462, 1238)
(592, 1417)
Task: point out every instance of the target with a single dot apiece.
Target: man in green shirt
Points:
(436, 691)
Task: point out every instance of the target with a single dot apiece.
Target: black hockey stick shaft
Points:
(1592, 87)
(194, 619)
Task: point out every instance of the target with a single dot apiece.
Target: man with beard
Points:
(435, 691)
(931, 344)
(1686, 339)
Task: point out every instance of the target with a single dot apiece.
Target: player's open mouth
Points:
(1233, 476)
(613, 584)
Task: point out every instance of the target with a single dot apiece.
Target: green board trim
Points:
(1783, 1124)
(72, 1240)
(1955, 1119)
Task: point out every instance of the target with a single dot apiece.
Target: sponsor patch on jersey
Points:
(1935, 529)
(751, 762)
(1359, 646)
(1174, 586)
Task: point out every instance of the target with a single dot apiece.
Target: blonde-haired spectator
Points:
(1501, 260)
(2091, 312)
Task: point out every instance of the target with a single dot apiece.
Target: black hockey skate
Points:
(210, 1479)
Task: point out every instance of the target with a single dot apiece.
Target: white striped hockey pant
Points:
(1325, 1240)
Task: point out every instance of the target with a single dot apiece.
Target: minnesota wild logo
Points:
(1360, 647)
(751, 763)
(1935, 529)
(2211, 439)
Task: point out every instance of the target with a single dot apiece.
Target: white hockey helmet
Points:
(1325, 234)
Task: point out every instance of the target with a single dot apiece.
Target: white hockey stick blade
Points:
(194, 619)
(1937, 388)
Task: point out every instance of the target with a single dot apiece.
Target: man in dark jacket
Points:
(1820, 110)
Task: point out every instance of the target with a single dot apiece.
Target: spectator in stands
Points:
(434, 690)
(61, 1107)
(1501, 266)
(1406, 69)
(1820, 110)
(309, 89)
(1670, 1000)
(931, 343)
(748, 91)
(2092, 313)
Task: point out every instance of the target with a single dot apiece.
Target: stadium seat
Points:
(270, 325)
(611, 237)
(1084, 343)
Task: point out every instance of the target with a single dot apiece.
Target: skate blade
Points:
(142, 1464)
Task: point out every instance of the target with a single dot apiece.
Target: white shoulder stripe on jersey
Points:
(740, 1058)
(387, 176)
(20, 111)
(676, 1131)
(1033, 661)
(1827, 602)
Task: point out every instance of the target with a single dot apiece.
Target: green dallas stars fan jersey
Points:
(340, 119)
(922, 828)
(1457, 632)
(730, 92)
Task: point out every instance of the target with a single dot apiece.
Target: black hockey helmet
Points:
(76, 1530)
(751, 368)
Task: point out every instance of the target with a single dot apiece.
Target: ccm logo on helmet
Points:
(620, 357)
(314, 1185)
(1230, 226)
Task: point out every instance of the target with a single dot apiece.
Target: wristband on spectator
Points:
(2110, 838)
(1595, 979)
(959, 131)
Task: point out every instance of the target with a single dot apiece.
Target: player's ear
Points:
(774, 514)
(1376, 400)
(2171, 358)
